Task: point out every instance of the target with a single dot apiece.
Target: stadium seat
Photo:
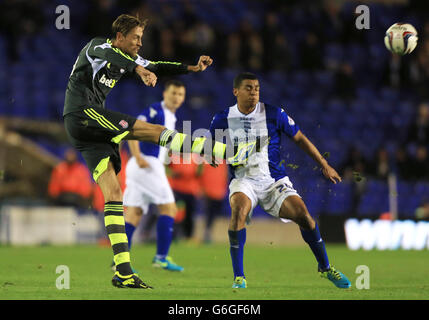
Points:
(340, 199)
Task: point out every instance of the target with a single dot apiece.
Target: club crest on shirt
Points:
(290, 120)
(123, 124)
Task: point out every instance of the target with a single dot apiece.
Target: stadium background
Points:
(366, 110)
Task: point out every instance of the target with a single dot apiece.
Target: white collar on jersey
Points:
(257, 107)
(166, 109)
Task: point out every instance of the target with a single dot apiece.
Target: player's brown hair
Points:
(173, 82)
(125, 23)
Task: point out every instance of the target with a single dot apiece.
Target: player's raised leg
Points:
(240, 208)
(208, 147)
(164, 236)
(294, 208)
(115, 228)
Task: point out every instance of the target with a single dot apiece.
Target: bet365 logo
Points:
(107, 82)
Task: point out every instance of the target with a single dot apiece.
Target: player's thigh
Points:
(94, 124)
(294, 208)
(145, 131)
(167, 209)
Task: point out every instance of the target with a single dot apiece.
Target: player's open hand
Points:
(331, 174)
(204, 62)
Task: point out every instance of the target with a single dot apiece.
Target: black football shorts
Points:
(96, 133)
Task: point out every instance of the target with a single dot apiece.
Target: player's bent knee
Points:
(109, 184)
(169, 209)
(133, 215)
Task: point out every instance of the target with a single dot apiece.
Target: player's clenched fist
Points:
(149, 79)
(204, 62)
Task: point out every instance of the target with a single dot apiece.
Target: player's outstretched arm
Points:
(169, 68)
(305, 144)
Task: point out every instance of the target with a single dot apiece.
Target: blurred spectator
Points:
(421, 73)
(277, 54)
(381, 168)
(183, 41)
(233, 51)
(330, 25)
(256, 52)
(422, 212)
(355, 168)
(311, 53)
(203, 38)
(167, 45)
(70, 183)
(418, 131)
(100, 18)
(403, 163)
(214, 184)
(398, 72)
(184, 180)
(19, 19)
(270, 29)
(355, 163)
(420, 165)
(245, 32)
(345, 83)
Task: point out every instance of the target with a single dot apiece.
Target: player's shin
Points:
(115, 228)
(317, 245)
(129, 230)
(164, 235)
(237, 239)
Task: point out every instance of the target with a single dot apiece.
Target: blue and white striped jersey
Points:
(157, 113)
(265, 120)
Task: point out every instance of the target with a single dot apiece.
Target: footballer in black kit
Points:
(97, 132)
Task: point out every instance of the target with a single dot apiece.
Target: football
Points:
(401, 38)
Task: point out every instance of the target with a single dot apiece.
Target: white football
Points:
(401, 38)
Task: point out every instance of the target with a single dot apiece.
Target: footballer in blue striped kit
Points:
(262, 180)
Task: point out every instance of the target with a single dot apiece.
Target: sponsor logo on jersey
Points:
(107, 82)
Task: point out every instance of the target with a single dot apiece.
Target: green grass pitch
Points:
(273, 273)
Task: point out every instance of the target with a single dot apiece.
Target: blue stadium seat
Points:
(375, 199)
(340, 198)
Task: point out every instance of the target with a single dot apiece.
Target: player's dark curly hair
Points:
(125, 23)
(243, 76)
